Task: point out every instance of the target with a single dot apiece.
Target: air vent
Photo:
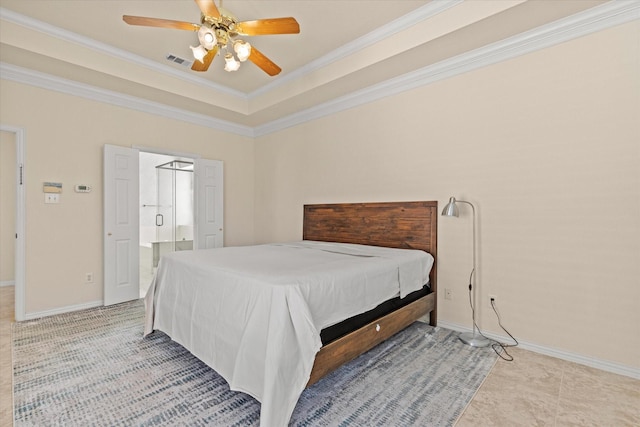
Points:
(179, 60)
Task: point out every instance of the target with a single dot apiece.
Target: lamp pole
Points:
(475, 338)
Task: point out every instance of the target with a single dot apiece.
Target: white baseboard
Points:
(61, 310)
(7, 283)
(604, 365)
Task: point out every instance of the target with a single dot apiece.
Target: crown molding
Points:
(422, 13)
(70, 87)
(69, 36)
(599, 18)
(395, 26)
(590, 21)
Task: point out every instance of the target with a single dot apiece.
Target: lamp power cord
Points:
(497, 346)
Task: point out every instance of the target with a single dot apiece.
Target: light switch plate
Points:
(51, 198)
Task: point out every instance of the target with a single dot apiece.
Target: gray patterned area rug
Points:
(94, 368)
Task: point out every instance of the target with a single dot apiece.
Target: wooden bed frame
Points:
(405, 225)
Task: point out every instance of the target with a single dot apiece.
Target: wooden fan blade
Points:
(208, 7)
(161, 23)
(263, 27)
(208, 58)
(267, 65)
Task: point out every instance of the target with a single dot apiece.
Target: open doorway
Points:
(199, 226)
(166, 210)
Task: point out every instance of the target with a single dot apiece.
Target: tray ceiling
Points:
(343, 46)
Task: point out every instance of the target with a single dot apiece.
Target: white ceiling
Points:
(343, 46)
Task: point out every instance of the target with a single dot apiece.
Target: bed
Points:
(262, 325)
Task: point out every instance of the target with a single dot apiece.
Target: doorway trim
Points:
(19, 269)
(156, 150)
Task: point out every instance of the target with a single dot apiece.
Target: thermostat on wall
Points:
(83, 188)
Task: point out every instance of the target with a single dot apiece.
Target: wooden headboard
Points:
(404, 225)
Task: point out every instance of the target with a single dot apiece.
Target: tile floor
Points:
(538, 390)
(533, 390)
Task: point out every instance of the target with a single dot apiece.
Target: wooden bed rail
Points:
(342, 350)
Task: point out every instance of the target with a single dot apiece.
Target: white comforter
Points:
(254, 313)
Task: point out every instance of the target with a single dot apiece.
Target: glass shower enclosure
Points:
(174, 210)
(166, 211)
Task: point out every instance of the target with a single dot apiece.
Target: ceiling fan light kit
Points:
(219, 30)
(206, 37)
(230, 63)
(242, 49)
(199, 53)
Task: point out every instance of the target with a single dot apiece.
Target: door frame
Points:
(156, 150)
(20, 225)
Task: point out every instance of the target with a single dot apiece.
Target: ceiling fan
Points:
(219, 29)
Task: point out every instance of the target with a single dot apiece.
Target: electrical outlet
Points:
(447, 293)
(88, 278)
(493, 298)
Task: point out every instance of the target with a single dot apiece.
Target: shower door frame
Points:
(173, 176)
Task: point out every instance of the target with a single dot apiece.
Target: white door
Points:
(17, 137)
(208, 200)
(121, 225)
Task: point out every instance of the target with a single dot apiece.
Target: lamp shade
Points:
(199, 52)
(230, 63)
(206, 37)
(242, 49)
(450, 209)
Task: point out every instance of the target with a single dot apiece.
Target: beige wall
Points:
(64, 138)
(546, 145)
(517, 139)
(7, 206)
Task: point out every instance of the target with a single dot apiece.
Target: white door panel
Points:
(121, 225)
(208, 202)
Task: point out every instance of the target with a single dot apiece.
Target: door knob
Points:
(108, 234)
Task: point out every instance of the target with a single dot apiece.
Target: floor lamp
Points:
(475, 338)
